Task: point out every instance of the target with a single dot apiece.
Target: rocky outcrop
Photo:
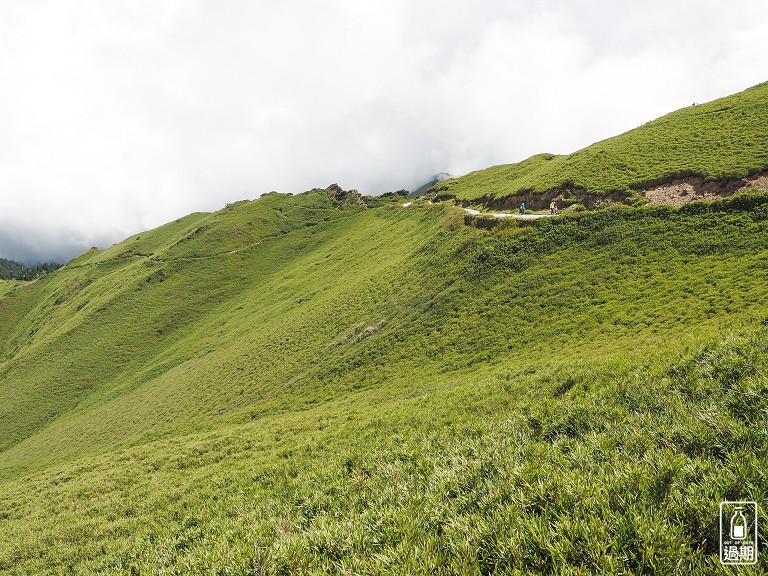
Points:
(341, 196)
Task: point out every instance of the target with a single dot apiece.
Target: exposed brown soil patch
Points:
(564, 196)
(675, 193)
(684, 190)
(758, 180)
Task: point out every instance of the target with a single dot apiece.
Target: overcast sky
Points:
(118, 116)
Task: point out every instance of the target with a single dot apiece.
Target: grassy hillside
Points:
(727, 138)
(288, 386)
(8, 285)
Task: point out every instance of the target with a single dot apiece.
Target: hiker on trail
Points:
(522, 208)
(552, 208)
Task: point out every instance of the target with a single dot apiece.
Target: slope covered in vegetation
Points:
(726, 138)
(293, 385)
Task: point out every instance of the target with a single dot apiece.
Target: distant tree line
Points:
(10, 270)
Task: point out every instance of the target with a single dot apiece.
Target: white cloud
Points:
(117, 116)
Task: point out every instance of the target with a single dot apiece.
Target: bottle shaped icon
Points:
(738, 524)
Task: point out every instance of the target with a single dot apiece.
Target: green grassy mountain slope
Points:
(290, 385)
(726, 138)
(167, 301)
(8, 285)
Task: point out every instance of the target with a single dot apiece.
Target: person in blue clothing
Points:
(522, 208)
